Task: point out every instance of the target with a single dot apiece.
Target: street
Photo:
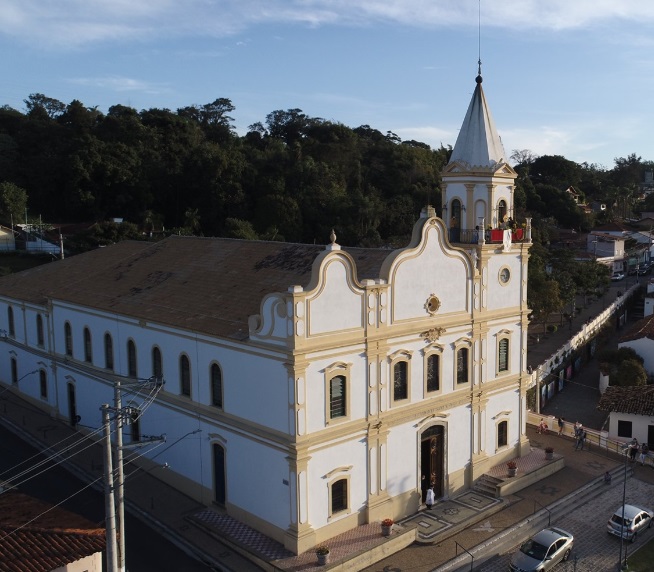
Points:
(146, 550)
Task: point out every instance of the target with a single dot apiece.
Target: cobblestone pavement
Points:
(595, 549)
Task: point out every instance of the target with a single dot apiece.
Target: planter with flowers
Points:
(322, 552)
(387, 526)
(549, 453)
(512, 466)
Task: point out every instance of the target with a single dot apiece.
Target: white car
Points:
(543, 551)
(635, 520)
(617, 276)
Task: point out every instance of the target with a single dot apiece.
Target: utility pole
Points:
(120, 475)
(110, 512)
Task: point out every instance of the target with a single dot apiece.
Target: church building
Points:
(306, 389)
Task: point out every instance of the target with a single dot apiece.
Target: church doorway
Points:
(432, 445)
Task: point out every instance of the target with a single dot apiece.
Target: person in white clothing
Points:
(430, 498)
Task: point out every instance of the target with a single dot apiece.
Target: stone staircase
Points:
(488, 485)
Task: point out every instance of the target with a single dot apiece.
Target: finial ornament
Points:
(332, 237)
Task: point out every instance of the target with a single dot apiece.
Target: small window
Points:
(216, 386)
(433, 373)
(501, 211)
(108, 352)
(43, 383)
(337, 397)
(339, 496)
(502, 434)
(503, 355)
(185, 375)
(14, 371)
(624, 429)
(131, 359)
(135, 424)
(39, 330)
(88, 346)
(10, 321)
(462, 373)
(400, 380)
(157, 368)
(68, 335)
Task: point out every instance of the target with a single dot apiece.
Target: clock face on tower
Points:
(505, 275)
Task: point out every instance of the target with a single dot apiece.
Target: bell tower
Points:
(478, 183)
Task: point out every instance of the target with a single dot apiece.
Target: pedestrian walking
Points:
(578, 428)
(429, 500)
(542, 426)
(634, 447)
(581, 439)
(644, 450)
(561, 423)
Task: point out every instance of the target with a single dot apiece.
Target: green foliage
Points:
(630, 372)
(13, 201)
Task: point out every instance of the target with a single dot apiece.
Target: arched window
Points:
(501, 212)
(462, 367)
(132, 370)
(455, 221)
(39, 330)
(502, 434)
(68, 336)
(108, 352)
(185, 375)
(337, 397)
(339, 496)
(400, 380)
(10, 321)
(433, 373)
(503, 355)
(88, 347)
(157, 368)
(14, 371)
(43, 383)
(216, 386)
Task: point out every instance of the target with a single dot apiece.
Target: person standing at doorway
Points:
(430, 499)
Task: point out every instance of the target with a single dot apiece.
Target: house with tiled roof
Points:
(631, 413)
(307, 389)
(640, 338)
(37, 537)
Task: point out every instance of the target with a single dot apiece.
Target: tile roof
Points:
(638, 400)
(207, 285)
(643, 328)
(32, 540)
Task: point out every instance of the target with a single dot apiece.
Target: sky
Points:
(562, 77)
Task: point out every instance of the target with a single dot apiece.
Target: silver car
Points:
(543, 551)
(635, 520)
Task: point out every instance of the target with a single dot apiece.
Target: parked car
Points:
(543, 551)
(644, 268)
(636, 519)
(617, 276)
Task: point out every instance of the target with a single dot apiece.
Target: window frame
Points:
(503, 337)
(219, 404)
(40, 336)
(13, 365)
(11, 322)
(623, 425)
(108, 352)
(43, 383)
(503, 422)
(68, 339)
(157, 363)
(435, 351)
(185, 381)
(463, 345)
(404, 357)
(132, 359)
(345, 510)
(339, 369)
(88, 345)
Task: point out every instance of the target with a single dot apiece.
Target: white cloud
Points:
(70, 23)
(122, 84)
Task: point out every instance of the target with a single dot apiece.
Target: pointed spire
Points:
(478, 143)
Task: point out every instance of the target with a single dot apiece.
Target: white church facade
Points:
(307, 389)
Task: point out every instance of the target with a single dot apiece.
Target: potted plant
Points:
(387, 526)
(512, 466)
(322, 552)
(549, 453)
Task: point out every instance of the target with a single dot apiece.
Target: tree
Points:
(629, 373)
(13, 200)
